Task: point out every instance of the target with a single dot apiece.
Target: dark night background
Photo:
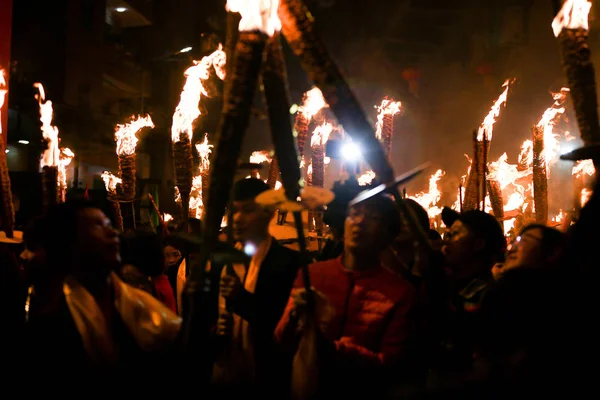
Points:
(98, 64)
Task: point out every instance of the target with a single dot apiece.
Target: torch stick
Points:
(8, 212)
(278, 103)
(118, 214)
(234, 120)
(273, 171)
(484, 170)
(184, 165)
(299, 31)
(50, 186)
(301, 131)
(577, 64)
(127, 170)
(233, 22)
(540, 179)
(495, 193)
(387, 134)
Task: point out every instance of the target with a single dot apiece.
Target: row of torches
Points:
(486, 184)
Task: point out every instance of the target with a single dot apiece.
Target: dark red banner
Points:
(5, 34)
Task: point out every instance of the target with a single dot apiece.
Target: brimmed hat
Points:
(480, 224)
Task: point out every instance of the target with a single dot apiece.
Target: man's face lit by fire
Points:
(458, 243)
(365, 230)
(97, 239)
(250, 221)
(525, 251)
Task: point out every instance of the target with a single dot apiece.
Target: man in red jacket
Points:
(369, 330)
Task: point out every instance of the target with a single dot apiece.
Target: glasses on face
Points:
(520, 239)
(356, 214)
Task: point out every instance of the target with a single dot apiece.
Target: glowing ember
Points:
(572, 15)
(256, 15)
(585, 196)
(126, 135)
(51, 156)
(167, 217)
(110, 182)
(187, 110)
(489, 121)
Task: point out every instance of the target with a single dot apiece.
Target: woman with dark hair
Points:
(536, 247)
(144, 266)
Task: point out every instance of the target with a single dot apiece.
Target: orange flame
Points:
(584, 167)
(167, 217)
(126, 135)
(3, 92)
(429, 200)
(65, 158)
(487, 125)
(387, 107)
(572, 15)
(321, 134)
(51, 156)
(547, 122)
(111, 181)
(259, 157)
(257, 15)
(366, 178)
(312, 102)
(187, 110)
(204, 149)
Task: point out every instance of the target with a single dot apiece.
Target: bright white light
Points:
(121, 9)
(185, 50)
(6, 151)
(249, 249)
(567, 147)
(24, 141)
(294, 109)
(350, 151)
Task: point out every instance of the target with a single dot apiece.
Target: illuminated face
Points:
(365, 230)
(172, 256)
(525, 251)
(457, 246)
(250, 220)
(98, 240)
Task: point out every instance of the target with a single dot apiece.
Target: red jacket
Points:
(164, 292)
(371, 326)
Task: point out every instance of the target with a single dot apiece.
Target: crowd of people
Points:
(384, 315)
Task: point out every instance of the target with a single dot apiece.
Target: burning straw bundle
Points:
(126, 139)
(299, 30)
(571, 28)
(273, 173)
(385, 124)
(8, 212)
(113, 184)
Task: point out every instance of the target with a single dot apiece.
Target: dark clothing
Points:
(332, 250)
(263, 309)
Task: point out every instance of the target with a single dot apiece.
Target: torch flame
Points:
(584, 167)
(259, 157)
(572, 15)
(312, 102)
(257, 15)
(430, 199)
(204, 149)
(51, 156)
(187, 110)
(3, 92)
(487, 125)
(321, 134)
(126, 135)
(547, 123)
(167, 217)
(366, 178)
(387, 107)
(111, 181)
